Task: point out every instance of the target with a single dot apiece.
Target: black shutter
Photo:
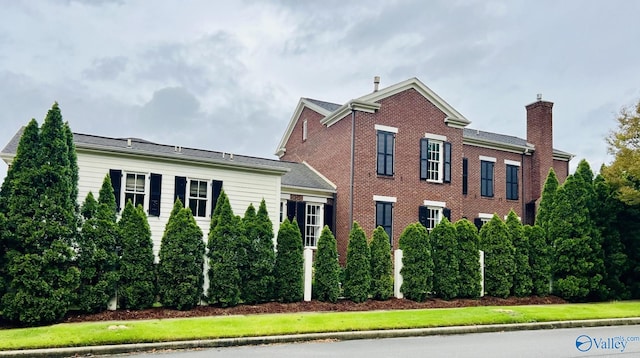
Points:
(116, 183)
(291, 210)
(154, 198)
(300, 217)
(423, 215)
(447, 162)
(446, 212)
(180, 190)
(328, 216)
(465, 175)
(424, 156)
(216, 189)
(478, 223)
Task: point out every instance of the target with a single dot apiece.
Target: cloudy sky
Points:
(227, 75)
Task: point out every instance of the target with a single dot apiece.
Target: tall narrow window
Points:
(486, 178)
(134, 188)
(434, 161)
(512, 182)
(384, 218)
(198, 197)
(386, 142)
(465, 176)
(429, 216)
(313, 224)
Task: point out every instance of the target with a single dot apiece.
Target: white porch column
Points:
(308, 268)
(481, 273)
(397, 277)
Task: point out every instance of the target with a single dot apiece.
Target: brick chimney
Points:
(540, 134)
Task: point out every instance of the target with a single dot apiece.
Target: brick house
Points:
(402, 154)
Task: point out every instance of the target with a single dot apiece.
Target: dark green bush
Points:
(522, 280)
(326, 286)
(445, 260)
(357, 274)
(381, 265)
(288, 269)
(469, 259)
(417, 263)
(538, 260)
(499, 263)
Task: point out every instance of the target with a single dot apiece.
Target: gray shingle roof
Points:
(326, 105)
(493, 137)
(296, 174)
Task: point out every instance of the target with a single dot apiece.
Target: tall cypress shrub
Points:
(544, 214)
(289, 270)
(522, 282)
(469, 259)
(97, 256)
(257, 279)
(136, 288)
(326, 285)
(499, 263)
(224, 277)
(417, 263)
(180, 270)
(445, 260)
(357, 273)
(539, 260)
(381, 265)
(44, 216)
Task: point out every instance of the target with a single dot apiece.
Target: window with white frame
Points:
(431, 213)
(434, 160)
(283, 209)
(198, 197)
(135, 188)
(313, 217)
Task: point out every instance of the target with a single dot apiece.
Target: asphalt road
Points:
(617, 341)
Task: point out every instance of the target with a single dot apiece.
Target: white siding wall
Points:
(241, 186)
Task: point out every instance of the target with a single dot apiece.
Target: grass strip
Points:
(163, 330)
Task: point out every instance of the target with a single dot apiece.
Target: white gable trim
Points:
(302, 103)
(453, 119)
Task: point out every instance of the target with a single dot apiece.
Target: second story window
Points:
(386, 144)
(198, 197)
(435, 159)
(134, 188)
(512, 182)
(486, 177)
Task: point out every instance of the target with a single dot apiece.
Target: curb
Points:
(295, 338)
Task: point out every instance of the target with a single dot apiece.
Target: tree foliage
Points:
(136, 288)
(288, 269)
(547, 203)
(578, 265)
(258, 285)
(417, 263)
(358, 270)
(42, 220)
(225, 232)
(97, 257)
(445, 255)
(326, 285)
(522, 281)
(381, 265)
(180, 270)
(469, 259)
(539, 260)
(624, 145)
(499, 263)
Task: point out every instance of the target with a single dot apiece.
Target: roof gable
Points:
(321, 107)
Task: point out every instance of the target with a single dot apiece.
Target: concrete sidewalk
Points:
(339, 336)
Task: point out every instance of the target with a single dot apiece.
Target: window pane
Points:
(203, 189)
(140, 183)
(193, 188)
(202, 207)
(130, 182)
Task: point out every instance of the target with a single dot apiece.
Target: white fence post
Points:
(308, 268)
(397, 277)
(481, 273)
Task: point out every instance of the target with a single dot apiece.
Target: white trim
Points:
(435, 137)
(487, 159)
(304, 130)
(302, 103)
(319, 174)
(380, 127)
(285, 196)
(512, 162)
(387, 199)
(485, 216)
(435, 204)
(314, 199)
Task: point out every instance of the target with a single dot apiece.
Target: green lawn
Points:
(98, 333)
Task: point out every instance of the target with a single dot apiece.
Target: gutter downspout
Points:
(353, 158)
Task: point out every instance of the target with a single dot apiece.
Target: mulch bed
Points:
(313, 306)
